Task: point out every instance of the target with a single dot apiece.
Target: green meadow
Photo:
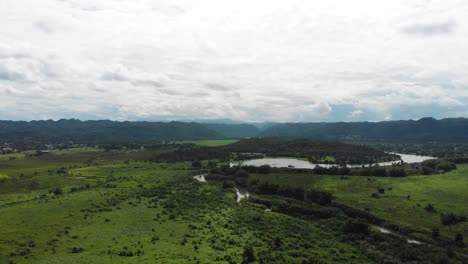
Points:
(91, 206)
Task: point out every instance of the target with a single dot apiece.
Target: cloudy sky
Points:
(252, 60)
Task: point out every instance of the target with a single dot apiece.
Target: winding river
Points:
(239, 193)
(388, 231)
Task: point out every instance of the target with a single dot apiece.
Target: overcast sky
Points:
(250, 60)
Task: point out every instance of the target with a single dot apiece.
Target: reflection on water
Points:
(241, 195)
(303, 164)
(388, 231)
(200, 178)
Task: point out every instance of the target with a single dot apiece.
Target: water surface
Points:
(304, 164)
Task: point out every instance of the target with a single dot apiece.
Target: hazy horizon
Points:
(223, 121)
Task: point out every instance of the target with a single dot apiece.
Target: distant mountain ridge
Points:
(103, 131)
(234, 130)
(425, 130)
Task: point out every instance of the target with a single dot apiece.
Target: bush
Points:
(445, 166)
(264, 169)
(378, 171)
(430, 208)
(353, 226)
(248, 255)
(459, 240)
(241, 174)
(154, 238)
(228, 184)
(451, 219)
(427, 170)
(77, 250)
(435, 232)
(57, 191)
(397, 172)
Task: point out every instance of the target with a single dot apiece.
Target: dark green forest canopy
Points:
(426, 130)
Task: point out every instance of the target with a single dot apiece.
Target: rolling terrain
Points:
(85, 205)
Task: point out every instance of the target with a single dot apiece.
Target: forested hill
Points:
(103, 131)
(313, 150)
(425, 130)
(234, 130)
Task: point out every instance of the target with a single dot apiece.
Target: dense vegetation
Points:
(457, 153)
(303, 196)
(426, 130)
(234, 130)
(133, 203)
(429, 208)
(313, 150)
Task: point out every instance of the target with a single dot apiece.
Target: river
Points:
(388, 231)
(304, 164)
(239, 193)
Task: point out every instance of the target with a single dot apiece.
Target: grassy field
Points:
(209, 143)
(90, 206)
(403, 200)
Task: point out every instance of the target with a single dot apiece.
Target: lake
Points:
(304, 164)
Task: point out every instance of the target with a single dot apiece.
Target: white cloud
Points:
(262, 60)
(356, 113)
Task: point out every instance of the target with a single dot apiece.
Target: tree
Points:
(264, 169)
(277, 242)
(435, 232)
(197, 164)
(430, 208)
(397, 172)
(356, 227)
(459, 240)
(248, 255)
(57, 191)
(241, 174)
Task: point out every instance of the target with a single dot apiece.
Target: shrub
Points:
(459, 240)
(430, 208)
(444, 165)
(228, 184)
(353, 226)
(264, 169)
(57, 191)
(77, 250)
(154, 238)
(397, 172)
(435, 232)
(451, 219)
(248, 255)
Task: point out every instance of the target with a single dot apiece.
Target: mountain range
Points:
(425, 130)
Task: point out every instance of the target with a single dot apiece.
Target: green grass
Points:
(448, 193)
(209, 143)
(156, 212)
